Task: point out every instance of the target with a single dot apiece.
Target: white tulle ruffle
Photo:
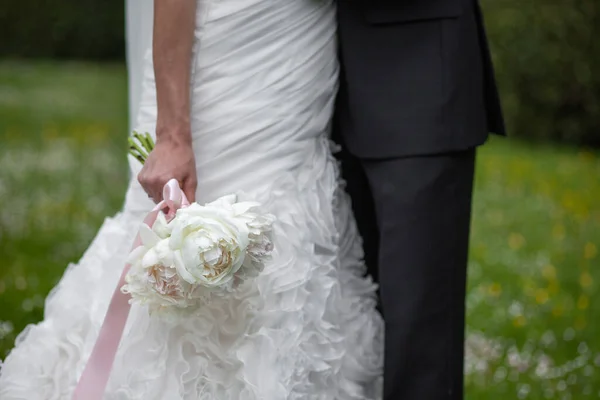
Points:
(306, 329)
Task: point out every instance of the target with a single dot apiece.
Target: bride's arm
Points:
(173, 156)
(174, 23)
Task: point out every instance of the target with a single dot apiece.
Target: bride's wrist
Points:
(178, 135)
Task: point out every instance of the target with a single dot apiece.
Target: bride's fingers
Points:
(189, 188)
(152, 187)
(157, 198)
(155, 190)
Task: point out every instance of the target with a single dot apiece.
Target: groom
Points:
(417, 96)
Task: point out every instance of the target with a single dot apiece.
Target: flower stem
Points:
(140, 146)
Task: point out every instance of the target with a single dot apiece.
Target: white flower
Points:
(260, 247)
(209, 242)
(150, 236)
(154, 280)
(161, 227)
(204, 249)
(152, 277)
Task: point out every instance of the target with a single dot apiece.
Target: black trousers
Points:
(414, 215)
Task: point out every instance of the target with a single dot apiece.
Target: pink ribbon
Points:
(93, 380)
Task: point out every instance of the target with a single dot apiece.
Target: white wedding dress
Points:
(263, 87)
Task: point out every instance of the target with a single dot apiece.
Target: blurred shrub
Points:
(82, 29)
(547, 58)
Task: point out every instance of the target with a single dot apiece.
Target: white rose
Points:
(209, 242)
(153, 279)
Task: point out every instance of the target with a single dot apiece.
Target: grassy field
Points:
(533, 302)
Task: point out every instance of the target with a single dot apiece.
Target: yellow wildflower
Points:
(541, 296)
(495, 289)
(586, 280)
(590, 250)
(583, 302)
(549, 272)
(516, 241)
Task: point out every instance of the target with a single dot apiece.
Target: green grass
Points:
(533, 301)
(63, 131)
(533, 272)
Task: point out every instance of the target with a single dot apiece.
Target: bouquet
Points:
(197, 251)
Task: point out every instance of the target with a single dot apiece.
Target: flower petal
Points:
(160, 226)
(150, 259)
(148, 237)
(136, 255)
(180, 267)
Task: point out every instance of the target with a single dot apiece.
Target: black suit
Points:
(417, 95)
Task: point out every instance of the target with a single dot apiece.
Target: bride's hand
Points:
(170, 159)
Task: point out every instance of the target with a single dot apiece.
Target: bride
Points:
(240, 95)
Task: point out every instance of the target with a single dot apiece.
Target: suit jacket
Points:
(416, 77)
